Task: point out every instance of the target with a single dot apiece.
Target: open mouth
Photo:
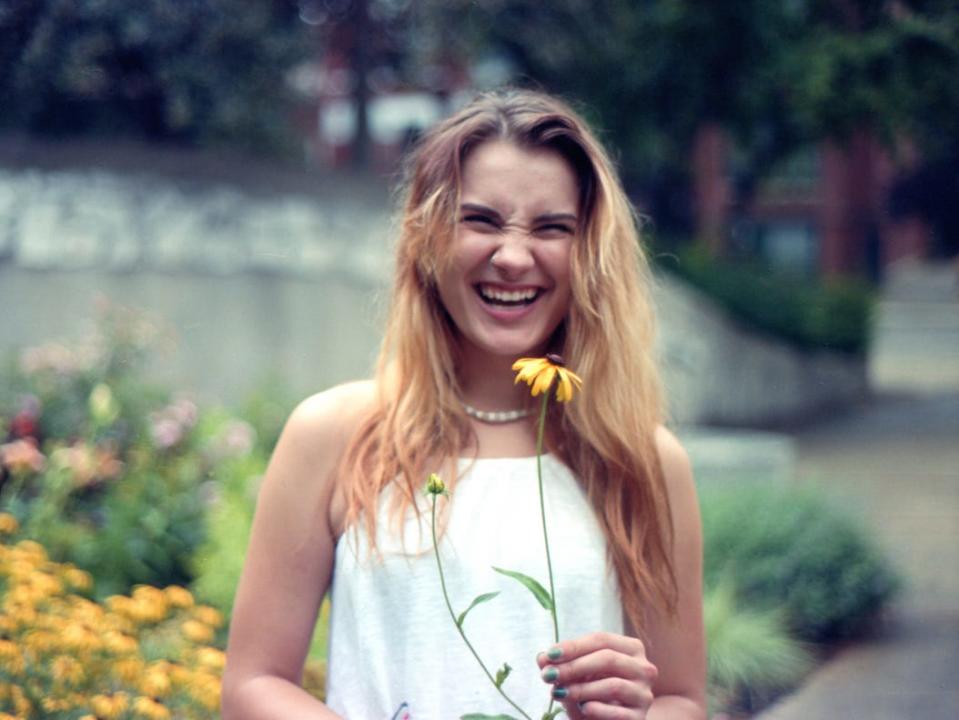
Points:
(507, 298)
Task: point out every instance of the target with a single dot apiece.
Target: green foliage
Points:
(539, 592)
(787, 548)
(750, 653)
(485, 597)
(219, 560)
(650, 73)
(197, 71)
(108, 472)
(833, 314)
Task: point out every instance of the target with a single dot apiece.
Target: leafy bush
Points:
(835, 314)
(65, 656)
(786, 548)
(751, 656)
(161, 70)
(106, 471)
(219, 560)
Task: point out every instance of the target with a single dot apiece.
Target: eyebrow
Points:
(547, 217)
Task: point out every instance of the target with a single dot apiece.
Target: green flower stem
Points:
(449, 606)
(542, 511)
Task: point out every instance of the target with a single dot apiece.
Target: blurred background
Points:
(196, 207)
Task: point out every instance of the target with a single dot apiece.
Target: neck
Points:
(487, 383)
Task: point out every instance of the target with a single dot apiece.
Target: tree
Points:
(775, 76)
(201, 71)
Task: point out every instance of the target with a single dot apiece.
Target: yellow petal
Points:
(564, 392)
(529, 368)
(544, 380)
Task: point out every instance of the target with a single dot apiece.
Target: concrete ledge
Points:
(722, 456)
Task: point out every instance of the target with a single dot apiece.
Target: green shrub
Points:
(834, 314)
(218, 562)
(105, 470)
(787, 548)
(751, 655)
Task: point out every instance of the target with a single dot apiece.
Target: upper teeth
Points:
(507, 295)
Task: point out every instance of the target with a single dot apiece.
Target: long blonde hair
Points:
(607, 435)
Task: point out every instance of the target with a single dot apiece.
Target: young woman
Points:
(516, 240)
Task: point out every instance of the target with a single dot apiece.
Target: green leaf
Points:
(502, 674)
(485, 597)
(552, 714)
(539, 592)
(481, 716)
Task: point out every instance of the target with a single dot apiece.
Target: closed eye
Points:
(555, 228)
(479, 219)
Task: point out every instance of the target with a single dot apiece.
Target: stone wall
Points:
(718, 372)
(292, 284)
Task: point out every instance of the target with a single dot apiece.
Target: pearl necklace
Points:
(496, 417)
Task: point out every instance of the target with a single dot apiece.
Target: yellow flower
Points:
(149, 708)
(120, 643)
(178, 597)
(128, 670)
(8, 524)
(108, 707)
(210, 616)
(196, 631)
(77, 579)
(435, 485)
(156, 683)
(211, 658)
(205, 689)
(66, 670)
(540, 373)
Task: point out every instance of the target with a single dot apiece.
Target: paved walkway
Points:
(896, 461)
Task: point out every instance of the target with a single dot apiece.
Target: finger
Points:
(573, 711)
(603, 663)
(602, 711)
(612, 691)
(571, 649)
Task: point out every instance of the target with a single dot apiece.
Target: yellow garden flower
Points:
(211, 658)
(111, 706)
(150, 708)
(77, 579)
(155, 683)
(66, 670)
(196, 631)
(8, 524)
(540, 373)
(178, 596)
(205, 689)
(210, 616)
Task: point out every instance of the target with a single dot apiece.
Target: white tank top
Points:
(394, 651)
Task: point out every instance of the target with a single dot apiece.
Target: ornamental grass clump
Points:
(545, 376)
(62, 655)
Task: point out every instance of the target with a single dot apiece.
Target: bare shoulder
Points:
(301, 470)
(322, 424)
(677, 469)
(313, 442)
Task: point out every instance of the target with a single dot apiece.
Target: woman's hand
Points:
(600, 675)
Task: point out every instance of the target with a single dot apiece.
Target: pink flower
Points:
(22, 456)
(165, 432)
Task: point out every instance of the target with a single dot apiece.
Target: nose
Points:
(512, 257)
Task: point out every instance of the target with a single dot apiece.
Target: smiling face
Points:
(507, 283)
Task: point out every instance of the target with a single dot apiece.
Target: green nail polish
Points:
(554, 653)
(560, 693)
(550, 674)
